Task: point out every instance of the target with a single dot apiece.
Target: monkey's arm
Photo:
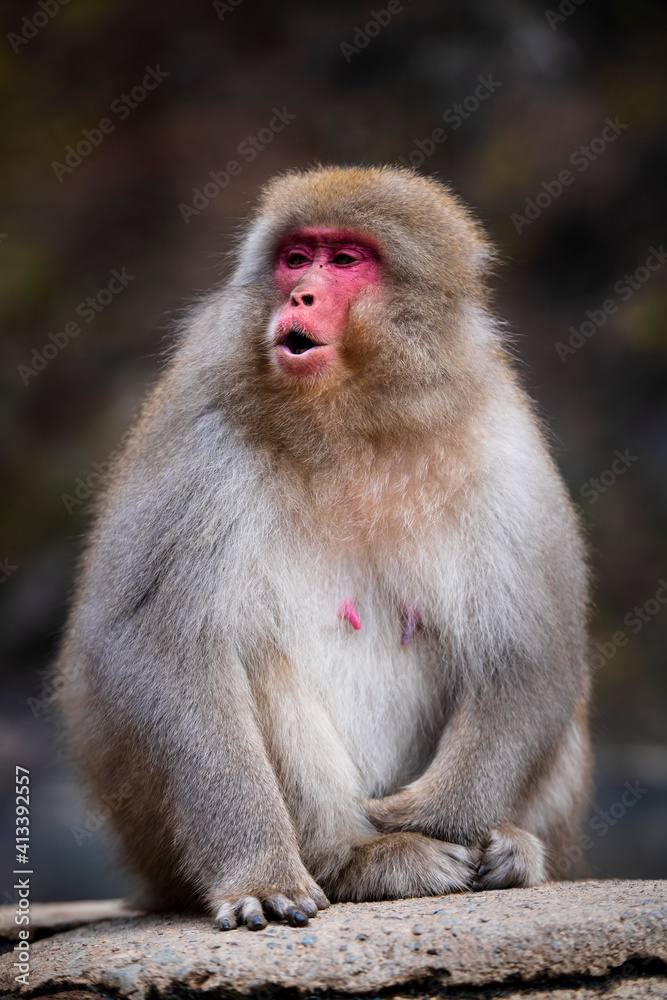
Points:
(504, 742)
(156, 698)
(515, 748)
(482, 764)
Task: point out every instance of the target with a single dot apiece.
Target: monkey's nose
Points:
(302, 299)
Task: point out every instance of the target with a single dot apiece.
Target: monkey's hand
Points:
(400, 865)
(395, 812)
(294, 898)
(507, 856)
(510, 857)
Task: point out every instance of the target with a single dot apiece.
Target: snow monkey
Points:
(329, 634)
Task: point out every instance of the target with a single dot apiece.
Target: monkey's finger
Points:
(320, 899)
(295, 917)
(251, 913)
(306, 904)
(294, 912)
(467, 857)
(225, 918)
(512, 857)
(476, 856)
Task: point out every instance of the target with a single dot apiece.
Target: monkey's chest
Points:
(377, 674)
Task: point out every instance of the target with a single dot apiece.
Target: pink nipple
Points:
(411, 618)
(347, 612)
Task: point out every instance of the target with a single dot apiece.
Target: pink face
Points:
(319, 272)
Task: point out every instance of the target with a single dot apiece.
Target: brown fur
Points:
(271, 750)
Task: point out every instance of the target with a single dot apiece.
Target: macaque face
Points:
(319, 274)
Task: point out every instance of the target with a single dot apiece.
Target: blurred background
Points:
(122, 123)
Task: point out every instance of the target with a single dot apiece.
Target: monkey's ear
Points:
(255, 254)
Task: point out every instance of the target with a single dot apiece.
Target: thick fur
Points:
(266, 745)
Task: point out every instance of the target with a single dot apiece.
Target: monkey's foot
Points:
(511, 858)
(398, 865)
(255, 911)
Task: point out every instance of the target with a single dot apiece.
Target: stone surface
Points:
(587, 939)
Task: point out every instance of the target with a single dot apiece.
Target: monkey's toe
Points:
(511, 858)
(225, 918)
(294, 912)
(255, 911)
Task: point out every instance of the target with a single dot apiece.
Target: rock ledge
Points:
(583, 939)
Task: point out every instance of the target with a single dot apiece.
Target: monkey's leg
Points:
(203, 818)
(491, 764)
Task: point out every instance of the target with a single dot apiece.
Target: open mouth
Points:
(297, 342)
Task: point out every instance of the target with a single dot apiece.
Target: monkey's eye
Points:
(296, 259)
(343, 259)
